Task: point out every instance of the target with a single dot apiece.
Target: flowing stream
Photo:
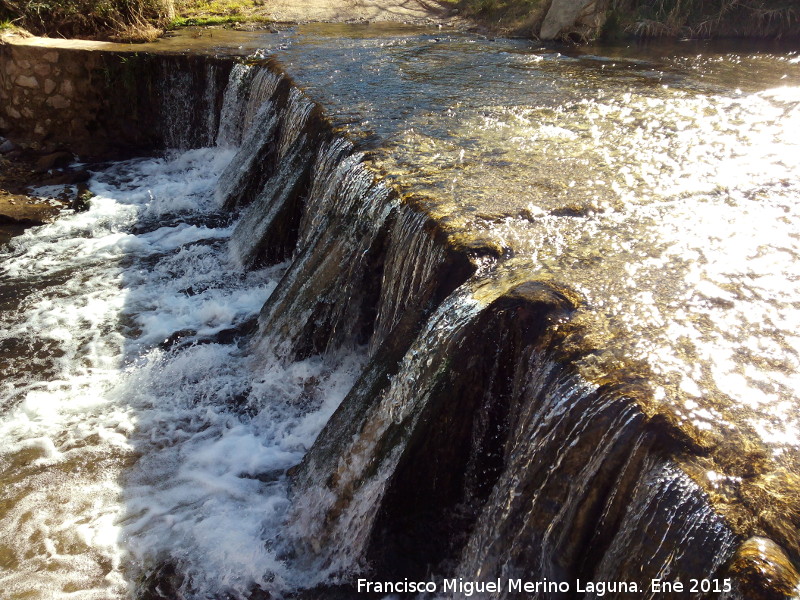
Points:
(133, 429)
(595, 253)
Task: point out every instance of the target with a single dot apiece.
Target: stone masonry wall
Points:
(97, 104)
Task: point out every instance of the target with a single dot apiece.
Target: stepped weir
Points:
(286, 355)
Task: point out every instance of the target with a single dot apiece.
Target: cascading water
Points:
(150, 430)
(136, 441)
(255, 370)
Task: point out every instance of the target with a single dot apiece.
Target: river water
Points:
(660, 183)
(121, 451)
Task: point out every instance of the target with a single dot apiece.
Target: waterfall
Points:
(247, 92)
(191, 95)
(268, 226)
(308, 379)
(486, 453)
(470, 444)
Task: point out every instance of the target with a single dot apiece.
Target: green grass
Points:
(124, 20)
(202, 13)
(203, 21)
(214, 20)
(195, 8)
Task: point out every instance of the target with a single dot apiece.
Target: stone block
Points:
(13, 112)
(67, 88)
(58, 101)
(42, 69)
(49, 86)
(27, 81)
(73, 68)
(26, 112)
(23, 64)
(51, 57)
(55, 160)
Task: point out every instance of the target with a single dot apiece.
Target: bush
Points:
(119, 20)
(709, 18)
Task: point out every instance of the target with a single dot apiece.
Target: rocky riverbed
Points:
(51, 175)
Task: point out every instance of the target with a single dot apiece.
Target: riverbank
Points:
(18, 208)
(581, 21)
(575, 21)
(148, 19)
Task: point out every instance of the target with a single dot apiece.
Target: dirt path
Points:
(343, 11)
(414, 11)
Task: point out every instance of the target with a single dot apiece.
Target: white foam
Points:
(120, 453)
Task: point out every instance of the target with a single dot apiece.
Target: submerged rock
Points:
(83, 199)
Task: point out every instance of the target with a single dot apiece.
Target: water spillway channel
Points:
(478, 310)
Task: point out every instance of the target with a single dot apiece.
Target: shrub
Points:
(709, 18)
(120, 20)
